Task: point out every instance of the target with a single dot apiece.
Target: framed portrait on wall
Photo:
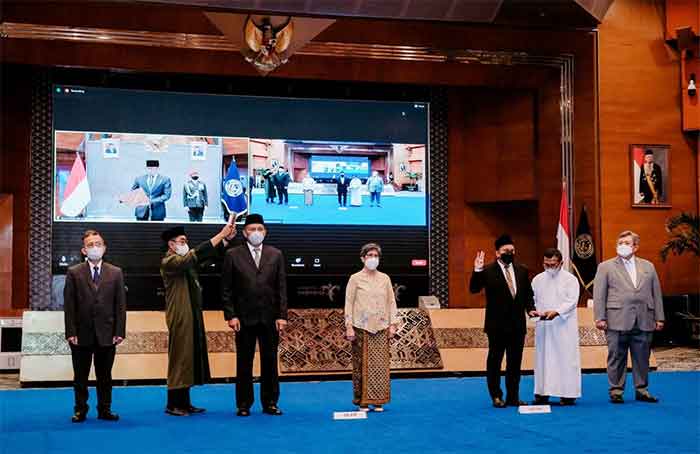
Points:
(650, 172)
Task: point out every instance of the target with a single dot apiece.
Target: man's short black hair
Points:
(553, 252)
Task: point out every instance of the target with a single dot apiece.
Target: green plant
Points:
(684, 232)
(414, 176)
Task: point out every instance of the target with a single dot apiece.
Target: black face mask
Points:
(195, 177)
(507, 258)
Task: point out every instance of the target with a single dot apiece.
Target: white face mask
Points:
(95, 253)
(552, 272)
(256, 238)
(182, 249)
(371, 263)
(624, 250)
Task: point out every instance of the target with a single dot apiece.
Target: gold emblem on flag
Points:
(584, 246)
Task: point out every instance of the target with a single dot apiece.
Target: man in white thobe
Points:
(557, 356)
(355, 192)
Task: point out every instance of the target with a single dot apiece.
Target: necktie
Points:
(509, 280)
(150, 181)
(256, 256)
(95, 275)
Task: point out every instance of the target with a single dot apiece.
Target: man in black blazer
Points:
(508, 297)
(254, 293)
(95, 323)
(341, 184)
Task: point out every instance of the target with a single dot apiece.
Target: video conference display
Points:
(345, 162)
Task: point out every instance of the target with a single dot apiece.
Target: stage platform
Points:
(446, 415)
(444, 341)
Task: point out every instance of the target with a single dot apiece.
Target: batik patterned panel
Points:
(314, 341)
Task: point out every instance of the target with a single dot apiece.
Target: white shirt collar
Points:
(93, 266)
(252, 248)
(629, 261)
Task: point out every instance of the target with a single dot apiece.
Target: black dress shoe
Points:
(272, 410)
(567, 401)
(498, 402)
(194, 410)
(79, 416)
(645, 397)
(176, 412)
(516, 403)
(617, 399)
(243, 412)
(541, 400)
(108, 416)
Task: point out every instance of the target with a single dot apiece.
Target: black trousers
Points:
(267, 335)
(82, 360)
(343, 198)
(283, 194)
(196, 214)
(510, 344)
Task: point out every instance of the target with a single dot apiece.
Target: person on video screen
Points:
(355, 192)
(194, 197)
(158, 188)
(375, 186)
(270, 191)
(307, 184)
(282, 180)
(342, 184)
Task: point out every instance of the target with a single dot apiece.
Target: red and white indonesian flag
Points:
(563, 230)
(77, 193)
(638, 158)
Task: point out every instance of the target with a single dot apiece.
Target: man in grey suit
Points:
(629, 308)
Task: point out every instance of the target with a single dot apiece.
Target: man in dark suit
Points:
(342, 184)
(254, 293)
(95, 323)
(282, 180)
(158, 188)
(508, 297)
(651, 180)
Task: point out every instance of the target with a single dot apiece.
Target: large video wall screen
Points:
(140, 156)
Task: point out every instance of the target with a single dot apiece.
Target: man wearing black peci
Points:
(95, 321)
(342, 184)
(254, 294)
(509, 296)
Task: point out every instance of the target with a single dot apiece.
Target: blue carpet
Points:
(426, 415)
(409, 211)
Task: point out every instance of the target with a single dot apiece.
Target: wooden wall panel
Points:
(5, 253)
(14, 172)
(640, 103)
(680, 14)
(500, 146)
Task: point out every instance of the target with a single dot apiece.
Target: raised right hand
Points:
(479, 260)
(234, 324)
(73, 340)
(228, 231)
